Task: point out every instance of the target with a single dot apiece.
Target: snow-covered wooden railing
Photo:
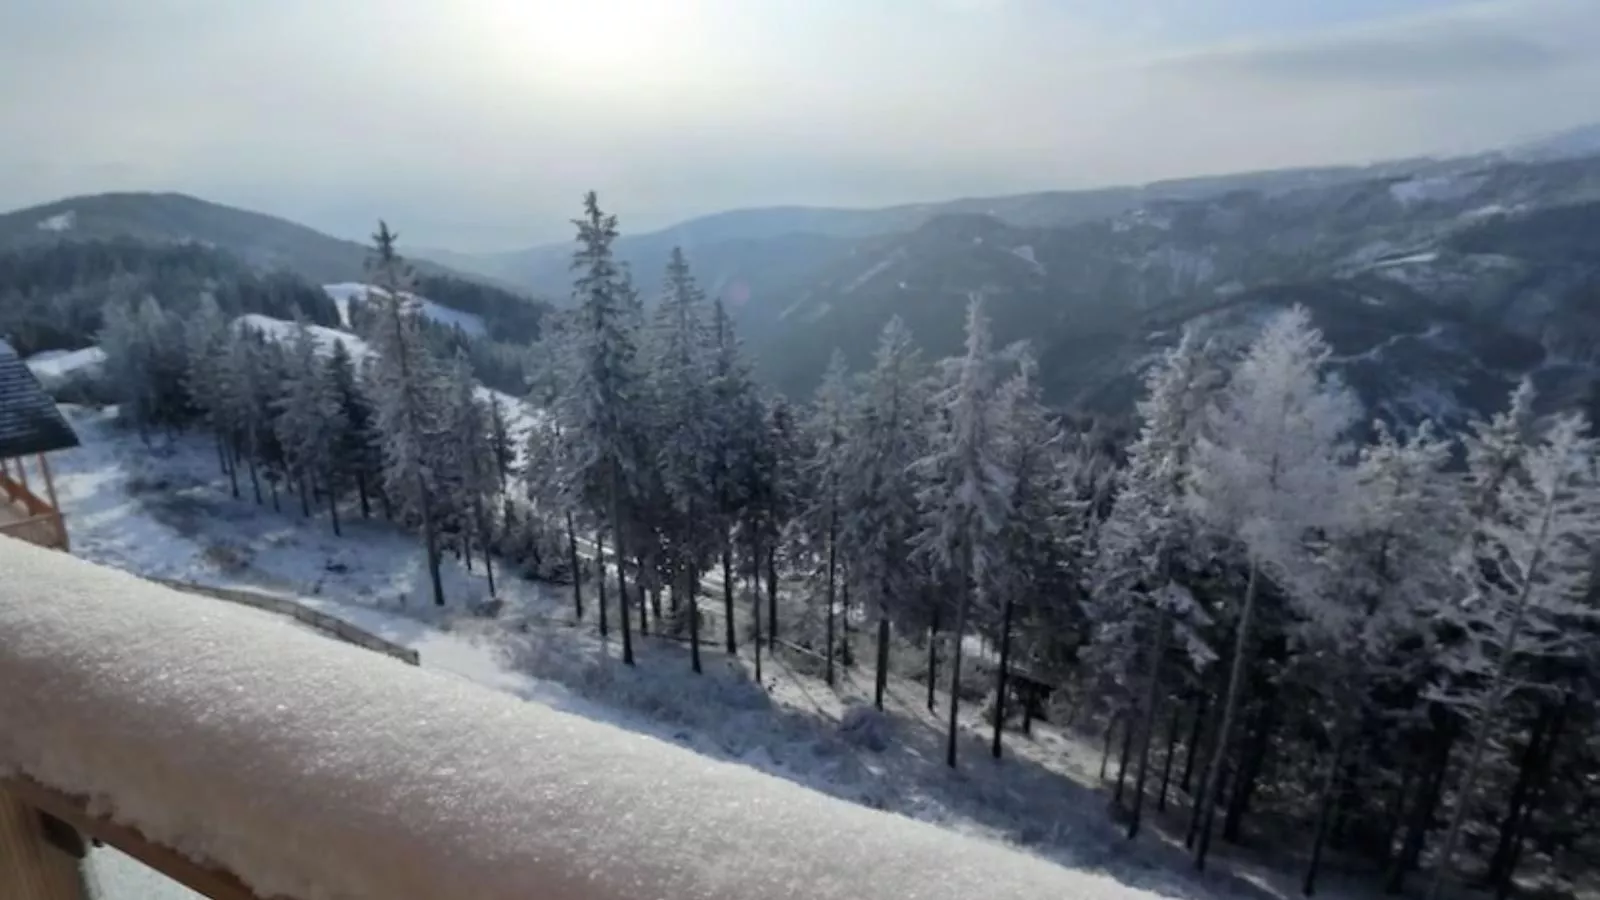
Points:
(308, 769)
(38, 521)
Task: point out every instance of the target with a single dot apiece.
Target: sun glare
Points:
(588, 38)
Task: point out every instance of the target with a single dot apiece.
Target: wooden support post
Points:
(50, 492)
(32, 867)
(22, 472)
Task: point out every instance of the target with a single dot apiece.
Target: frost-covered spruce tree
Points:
(356, 455)
(500, 441)
(1528, 588)
(1036, 532)
(679, 344)
(601, 391)
(472, 472)
(966, 493)
(247, 379)
(734, 409)
(784, 499)
(826, 470)
(206, 347)
(310, 422)
(1137, 596)
(880, 490)
(1269, 472)
(1387, 569)
(409, 394)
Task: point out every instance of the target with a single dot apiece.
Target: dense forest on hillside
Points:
(1290, 624)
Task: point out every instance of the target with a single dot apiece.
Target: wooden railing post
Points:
(32, 867)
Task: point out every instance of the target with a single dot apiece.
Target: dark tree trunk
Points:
(833, 564)
(1209, 793)
(1123, 755)
(1166, 761)
(488, 563)
(1539, 787)
(305, 498)
(1000, 682)
(577, 572)
(255, 477)
(727, 597)
(430, 539)
(772, 598)
(272, 490)
(233, 470)
(692, 608)
(388, 505)
(333, 510)
(1105, 747)
(642, 583)
(955, 658)
(1330, 794)
(618, 530)
(754, 585)
(1424, 810)
(222, 453)
(1253, 764)
(1147, 731)
(933, 656)
(847, 656)
(1196, 732)
(600, 580)
(1532, 754)
(361, 491)
(881, 683)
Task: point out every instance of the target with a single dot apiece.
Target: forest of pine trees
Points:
(1279, 618)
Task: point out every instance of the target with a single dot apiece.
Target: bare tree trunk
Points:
(1123, 755)
(1152, 697)
(881, 682)
(1166, 760)
(833, 563)
(1209, 783)
(1330, 789)
(431, 540)
(727, 595)
(577, 571)
(955, 658)
(618, 529)
(1105, 747)
(692, 607)
(933, 656)
(255, 478)
(1196, 732)
(754, 585)
(361, 491)
(333, 510)
(772, 597)
(600, 579)
(305, 498)
(1000, 686)
(233, 469)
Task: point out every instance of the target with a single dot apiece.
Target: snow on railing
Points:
(314, 770)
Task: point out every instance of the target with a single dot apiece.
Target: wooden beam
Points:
(50, 491)
(22, 472)
(210, 882)
(31, 866)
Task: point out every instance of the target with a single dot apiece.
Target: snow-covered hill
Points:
(346, 293)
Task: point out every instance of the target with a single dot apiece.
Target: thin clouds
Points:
(336, 111)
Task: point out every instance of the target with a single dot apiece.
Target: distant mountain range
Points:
(1437, 280)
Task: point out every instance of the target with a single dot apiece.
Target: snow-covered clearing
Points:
(166, 511)
(62, 221)
(1436, 188)
(52, 365)
(343, 294)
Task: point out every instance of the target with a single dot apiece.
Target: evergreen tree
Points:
(1268, 474)
(880, 492)
(826, 471)
(600, 404)
(410, 401)
(469, 463)
(310, 422)
(966, 498)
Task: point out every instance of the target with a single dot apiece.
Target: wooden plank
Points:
(31, 867)
(210, 882)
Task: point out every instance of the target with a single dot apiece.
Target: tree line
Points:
(1380, 636)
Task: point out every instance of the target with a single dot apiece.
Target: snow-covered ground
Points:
(53, 365)
(167, 511)
(343, 294)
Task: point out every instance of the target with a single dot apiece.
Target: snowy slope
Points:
(56, 364)
(344, 294)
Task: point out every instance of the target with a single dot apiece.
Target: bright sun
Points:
(586, 37)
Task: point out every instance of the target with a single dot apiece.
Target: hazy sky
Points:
(477, 124)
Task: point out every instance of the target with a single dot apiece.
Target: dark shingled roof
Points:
(29, 420)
